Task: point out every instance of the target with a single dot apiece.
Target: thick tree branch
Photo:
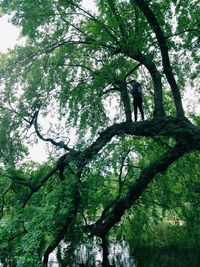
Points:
(181, 129)
(164, 53)
(178, 128)
(156, 77)
(102, 226)
(125, 100)
(113, 89)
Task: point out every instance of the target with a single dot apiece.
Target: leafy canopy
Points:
(69, 86)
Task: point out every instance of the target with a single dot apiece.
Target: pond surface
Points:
(120, 255)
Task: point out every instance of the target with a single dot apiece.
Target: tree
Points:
(73, 64)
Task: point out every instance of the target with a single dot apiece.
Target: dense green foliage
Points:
(68, 85)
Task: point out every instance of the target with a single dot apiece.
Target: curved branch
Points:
(18, 180)
(180, 129)
(160, 204)
(112, 89)
(164, 53)
(156, 77)
(182, 32)
(60, 144)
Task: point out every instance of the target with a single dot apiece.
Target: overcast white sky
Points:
(8, 34)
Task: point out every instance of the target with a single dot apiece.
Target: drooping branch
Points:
(164, 53)
(180, 129)
(105, 223)
(62, 163)
(196, 30)
(161, 204)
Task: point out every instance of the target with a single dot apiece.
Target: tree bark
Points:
(125, 100)
(164, 53)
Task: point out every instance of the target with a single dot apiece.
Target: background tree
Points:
(68, 84)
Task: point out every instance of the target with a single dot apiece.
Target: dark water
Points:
(121, 255)
(167, 258)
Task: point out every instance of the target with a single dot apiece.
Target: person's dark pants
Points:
(137, 104)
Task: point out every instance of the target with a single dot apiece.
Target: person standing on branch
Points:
(136, 91)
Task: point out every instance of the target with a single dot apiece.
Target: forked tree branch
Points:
(184, 132)
(148, 13)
